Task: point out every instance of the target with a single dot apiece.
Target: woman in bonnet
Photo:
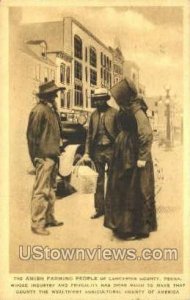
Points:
(130, 201)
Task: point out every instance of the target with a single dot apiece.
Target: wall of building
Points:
(118, 61)
(87, 42)
(26, 74)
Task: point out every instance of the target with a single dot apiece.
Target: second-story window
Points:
(86, 54)
(104, 61)
(86, 73)
(63, 104)
(68, 75)
(78, 70)
(101, 73)
(93, 77)
(78, 95)
(93, 59)
(78, 47)
(69, 99)
(62, 73)
(102, 58)
(107, 62)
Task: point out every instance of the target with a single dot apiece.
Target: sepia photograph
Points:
(96, 149)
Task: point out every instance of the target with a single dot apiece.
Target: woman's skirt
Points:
(130, 201)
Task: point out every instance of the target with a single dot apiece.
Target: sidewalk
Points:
(80, 231)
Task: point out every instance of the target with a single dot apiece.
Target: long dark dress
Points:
(130, 204)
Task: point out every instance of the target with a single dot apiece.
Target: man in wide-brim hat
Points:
(102, 131)
(44, 136)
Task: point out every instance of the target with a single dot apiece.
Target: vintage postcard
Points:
(95, 149)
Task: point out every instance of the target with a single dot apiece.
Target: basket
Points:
(84, 178)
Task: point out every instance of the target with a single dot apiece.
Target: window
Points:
(78, 47)
(62, 73)
(93, 57)
(69, 99)
(101, 72)
(86, 94)
(86, 73)
(63, 99)
(107, 62)
(68, 75)
(102, 59)
(108, 77)
(78, 70)
(104, 76)
(78, 95)
(117, 69)
(93, 77)
(86, 54)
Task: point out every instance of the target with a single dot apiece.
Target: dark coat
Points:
(130, 203)
(111, 125)
(43, 132)
(145, 136)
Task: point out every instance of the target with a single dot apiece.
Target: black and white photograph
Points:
(96, 99)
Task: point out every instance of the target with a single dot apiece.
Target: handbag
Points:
(84, 177)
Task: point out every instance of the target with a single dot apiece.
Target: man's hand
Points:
(141, 163)
(86, 157)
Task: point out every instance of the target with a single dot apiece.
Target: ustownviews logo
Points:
(38, 252)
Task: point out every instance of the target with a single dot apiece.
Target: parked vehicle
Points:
(74, 138)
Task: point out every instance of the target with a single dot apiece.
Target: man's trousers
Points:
(43, 196)
(102, 156)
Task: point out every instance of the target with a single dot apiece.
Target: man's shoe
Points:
(41, 231)
(96, 215)
(54, 224)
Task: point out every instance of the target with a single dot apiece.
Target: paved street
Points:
(80, 231)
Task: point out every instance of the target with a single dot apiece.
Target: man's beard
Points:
(103, 107)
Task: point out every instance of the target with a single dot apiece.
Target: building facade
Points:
(29, 69)
(92, 63)
(118, 61)
(63, 78)
(83, 61)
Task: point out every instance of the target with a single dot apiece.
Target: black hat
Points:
(123, 91)
(48, 87)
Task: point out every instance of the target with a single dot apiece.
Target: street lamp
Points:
(168, 118)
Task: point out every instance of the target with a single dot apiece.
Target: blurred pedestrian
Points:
(44, 135)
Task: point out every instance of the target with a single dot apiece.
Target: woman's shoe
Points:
(142, 236)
